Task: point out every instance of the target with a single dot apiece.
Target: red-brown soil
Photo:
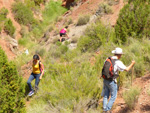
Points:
(143, 103)
(6, 47)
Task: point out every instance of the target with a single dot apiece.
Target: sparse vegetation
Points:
(95, 35)
(83, 20)
(9, 28)
(24, 31)
(22, 14)
(131, 97)
(112, 2)
(148, 91)
(3, 17)
(104, 8)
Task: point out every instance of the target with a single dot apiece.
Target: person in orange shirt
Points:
(36, 74)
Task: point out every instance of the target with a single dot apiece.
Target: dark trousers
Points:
(37, 80)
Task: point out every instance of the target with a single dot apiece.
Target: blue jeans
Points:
(110, 87)
(37, 80)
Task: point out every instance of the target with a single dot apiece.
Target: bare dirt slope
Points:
(7, 4)
(143, 104)
(5, 46)
(4, 43)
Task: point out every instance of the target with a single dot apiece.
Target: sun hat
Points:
(117, 51)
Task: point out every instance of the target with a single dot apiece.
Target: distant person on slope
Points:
(63, 32)
(36, 74)
(110, 82)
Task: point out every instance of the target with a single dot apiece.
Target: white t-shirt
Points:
(119, 66)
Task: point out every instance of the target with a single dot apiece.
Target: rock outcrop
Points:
(68, 3)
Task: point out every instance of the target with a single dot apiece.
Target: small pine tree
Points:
(133, 20)
(11, 87)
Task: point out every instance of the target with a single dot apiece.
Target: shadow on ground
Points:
(145, 107)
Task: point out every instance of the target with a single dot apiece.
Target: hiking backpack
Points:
(41, 68)
(108, 69)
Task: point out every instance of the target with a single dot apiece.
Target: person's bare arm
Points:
(42, 70)
(130, 66)
(67, 35)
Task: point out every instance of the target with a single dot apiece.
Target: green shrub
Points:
(95, 35)
(51, 28)
(68, 21)
(3, 13)
(83, 20)
(3, 58)
(12, 94)
(23, 41)
(106, 8)
(63, 49)
(24, 31)
(30, 4)
(131, 97)
(41, 52)
(3, 17)
(9, 28)
(72, 85)
(103, 9)
(22, 14)
(53, 10)
(74, 39)
(134, 20)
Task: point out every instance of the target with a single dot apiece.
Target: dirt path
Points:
(143, 104)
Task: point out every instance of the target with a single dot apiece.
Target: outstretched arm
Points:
(67, 35)
(130, 66)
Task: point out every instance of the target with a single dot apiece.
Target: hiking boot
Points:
(31, 93)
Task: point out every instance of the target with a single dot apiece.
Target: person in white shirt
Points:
(110, 86)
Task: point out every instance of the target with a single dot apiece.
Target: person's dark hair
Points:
(36, 57)
(66, 27)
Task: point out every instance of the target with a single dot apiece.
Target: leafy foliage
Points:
(11, 87)
(134, 20)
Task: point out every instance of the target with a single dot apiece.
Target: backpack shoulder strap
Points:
(39, 64)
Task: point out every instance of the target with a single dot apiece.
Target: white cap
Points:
(117, 51)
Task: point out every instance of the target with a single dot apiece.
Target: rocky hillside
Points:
(84, 7)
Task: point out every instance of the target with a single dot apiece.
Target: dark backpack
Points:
(40, 67)
(108, 69)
